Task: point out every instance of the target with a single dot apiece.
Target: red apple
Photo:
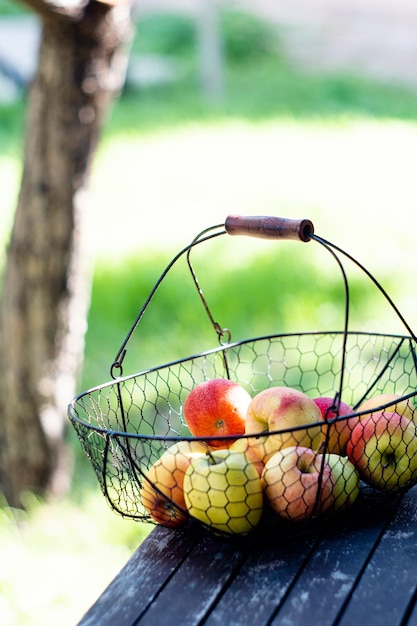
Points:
(278, 409)
(383, 448)
(337, 433)
(217, 407)
(297, 483)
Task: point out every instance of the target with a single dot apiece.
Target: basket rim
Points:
(72, 414)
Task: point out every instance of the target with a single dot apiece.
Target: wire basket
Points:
(305, 423)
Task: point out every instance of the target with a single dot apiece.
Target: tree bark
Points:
(46, 284)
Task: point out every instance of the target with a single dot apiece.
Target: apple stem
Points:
(322, 447)
(388, 460)
(211, 457)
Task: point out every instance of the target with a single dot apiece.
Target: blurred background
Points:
(301, 109)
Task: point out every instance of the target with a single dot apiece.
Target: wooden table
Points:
(360, 570)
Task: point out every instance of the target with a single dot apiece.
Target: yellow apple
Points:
(223, 490)
(162, 487)
(245, 445)
(392, 403)
(283, 409)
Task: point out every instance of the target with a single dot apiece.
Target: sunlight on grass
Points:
(348, 175)
(355, 178)
(51, 541)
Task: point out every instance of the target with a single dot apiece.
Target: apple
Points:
(224, 491)
(297, 483)
(337, 433)
(217, 407)
(392, 403)
(245, 445)
(345, 480)
(162, 487)
(383, 448)
(283, 408)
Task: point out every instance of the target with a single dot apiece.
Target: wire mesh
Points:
(125, 426)
(355, 393)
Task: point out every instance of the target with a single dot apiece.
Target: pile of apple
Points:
(297, 455)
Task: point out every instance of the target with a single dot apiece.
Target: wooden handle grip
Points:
(267, 227)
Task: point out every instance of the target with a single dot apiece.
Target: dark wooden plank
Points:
(389, 582)
(411, 619)
(261, 583)
(327, 579)
(193, 578)
(140, 580)
(187, 596)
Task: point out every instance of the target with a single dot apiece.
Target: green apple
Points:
(383, 448)
(297, 482)
(346, 482)
(223, 490)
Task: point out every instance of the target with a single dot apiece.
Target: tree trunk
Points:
(46, 286)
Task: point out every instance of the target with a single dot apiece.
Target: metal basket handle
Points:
(264, 227)
(268, 227)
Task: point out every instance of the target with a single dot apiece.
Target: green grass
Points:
(269, 292)
(11, 129)
(334, 148)
(260, 93)
(12, 8)
(57, 557)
